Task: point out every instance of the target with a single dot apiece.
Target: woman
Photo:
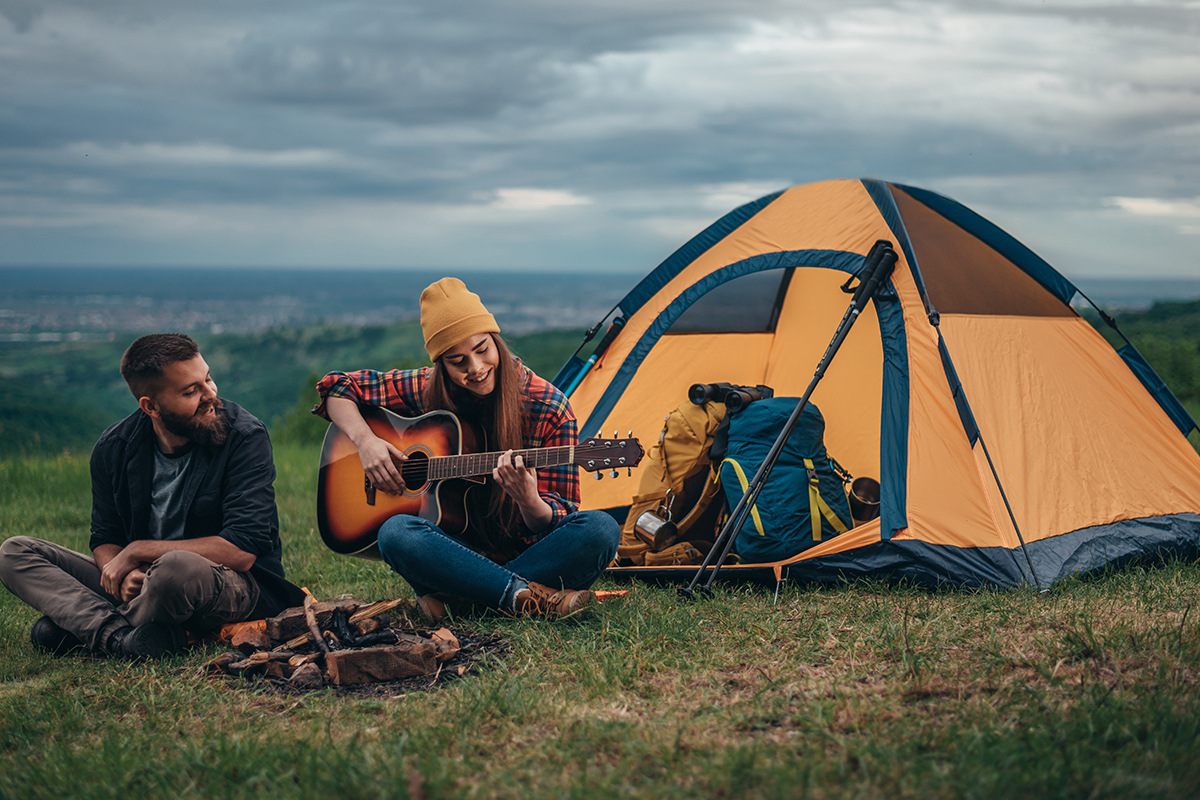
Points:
(533, 552)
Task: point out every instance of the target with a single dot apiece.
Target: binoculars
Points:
(733, 396)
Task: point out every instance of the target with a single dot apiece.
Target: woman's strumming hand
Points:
(380, 462)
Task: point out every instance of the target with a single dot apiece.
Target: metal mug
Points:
(655, 531)
(864, 500)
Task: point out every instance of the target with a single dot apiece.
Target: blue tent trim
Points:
(996, 238)
(1158, 389)
(886, 204)
(567, 373)
(1074, 554)
(1070, 554)
(828, 259)
(893, 425)
(965, 415)
(695, 247)
(893, 416)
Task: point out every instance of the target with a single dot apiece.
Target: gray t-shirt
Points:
(166, 495)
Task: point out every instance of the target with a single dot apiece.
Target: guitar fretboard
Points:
(472, 464)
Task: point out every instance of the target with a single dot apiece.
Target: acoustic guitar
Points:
(443, 463)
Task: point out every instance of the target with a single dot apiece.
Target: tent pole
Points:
(956, 384)
(877, 266)
(1011, 516)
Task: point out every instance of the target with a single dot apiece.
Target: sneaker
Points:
(48, 636)
(148, 641)
(538, 600)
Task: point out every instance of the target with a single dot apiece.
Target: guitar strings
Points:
(418, 468)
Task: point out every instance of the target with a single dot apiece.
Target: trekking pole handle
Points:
(877, 266)
(871, 263)
(880, 272)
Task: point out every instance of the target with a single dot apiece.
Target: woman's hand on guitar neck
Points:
(520, 483)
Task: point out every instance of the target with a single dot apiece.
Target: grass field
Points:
(866, 690)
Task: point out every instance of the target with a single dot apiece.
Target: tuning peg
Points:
(630, 472)
(599, 476)
(614, 473)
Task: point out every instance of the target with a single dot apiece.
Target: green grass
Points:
(865, 690)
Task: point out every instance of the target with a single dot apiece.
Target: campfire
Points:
(340, 643)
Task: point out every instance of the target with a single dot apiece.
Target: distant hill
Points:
(1168, 337)
(1137, 294)
(66, 393)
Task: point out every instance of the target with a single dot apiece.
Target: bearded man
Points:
(184, 531)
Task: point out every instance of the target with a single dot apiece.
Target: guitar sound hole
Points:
(415, 471)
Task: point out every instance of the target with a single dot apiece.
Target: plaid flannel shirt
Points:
(551, 424)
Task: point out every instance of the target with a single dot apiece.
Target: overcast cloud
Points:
(566, 135)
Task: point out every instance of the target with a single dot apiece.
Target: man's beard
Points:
(211, 432)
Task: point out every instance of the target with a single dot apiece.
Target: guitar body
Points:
(350, 512)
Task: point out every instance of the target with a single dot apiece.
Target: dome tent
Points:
(1012, 443)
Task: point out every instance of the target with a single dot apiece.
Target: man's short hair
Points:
(142, 365)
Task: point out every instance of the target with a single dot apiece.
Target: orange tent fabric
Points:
(1013, 444)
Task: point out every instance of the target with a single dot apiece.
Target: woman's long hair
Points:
(501, 414)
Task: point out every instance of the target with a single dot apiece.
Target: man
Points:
(184, 533)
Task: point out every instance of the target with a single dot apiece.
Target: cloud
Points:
(634, 123)
(1180, 210)
(1157, 207)
(205, 154)
(535, 199)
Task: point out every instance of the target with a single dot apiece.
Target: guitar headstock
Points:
(595, 454)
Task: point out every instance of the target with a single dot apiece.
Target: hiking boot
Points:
(148, 641)
(47, 635)
(432, 607)
(438, 606)
(538, 600)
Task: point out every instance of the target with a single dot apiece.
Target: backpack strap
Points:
(741, 476)
(816, 502)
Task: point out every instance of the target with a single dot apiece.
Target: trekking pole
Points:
(877, 266)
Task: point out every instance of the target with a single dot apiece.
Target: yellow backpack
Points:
(678, 487)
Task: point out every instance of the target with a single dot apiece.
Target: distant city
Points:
(69, 304)
(65, 304)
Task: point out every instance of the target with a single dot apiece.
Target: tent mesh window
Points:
(749, 304)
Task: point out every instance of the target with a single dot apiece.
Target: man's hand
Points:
(131, 587)
(113, 573)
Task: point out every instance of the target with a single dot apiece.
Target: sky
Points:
(570, 135)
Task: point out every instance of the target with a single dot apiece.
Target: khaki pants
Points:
(181, 588)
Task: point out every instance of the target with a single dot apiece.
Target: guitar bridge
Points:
(369, 489)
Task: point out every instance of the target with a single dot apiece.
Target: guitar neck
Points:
(473, 464)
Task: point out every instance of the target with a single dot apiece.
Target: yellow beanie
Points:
(451, 313)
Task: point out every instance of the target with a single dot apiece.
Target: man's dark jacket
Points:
(229, 493)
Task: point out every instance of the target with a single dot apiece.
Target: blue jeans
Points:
(572, 556)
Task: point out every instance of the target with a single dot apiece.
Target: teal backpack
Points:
(804, 499)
